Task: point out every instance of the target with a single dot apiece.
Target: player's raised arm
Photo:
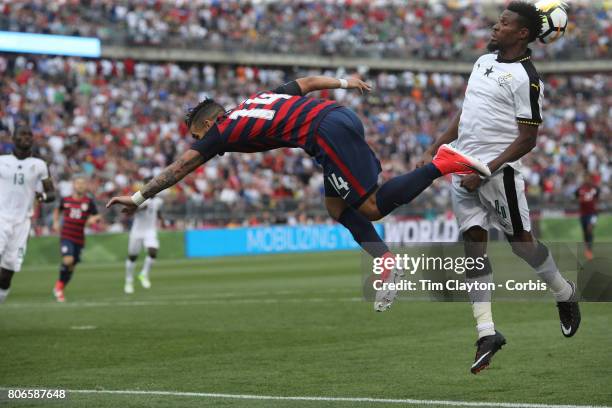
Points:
(318, 83)
(188, 162)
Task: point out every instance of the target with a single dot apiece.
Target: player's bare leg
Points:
(6, 276)
(539, 257)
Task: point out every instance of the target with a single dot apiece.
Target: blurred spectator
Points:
(444, 30)
(120, 126)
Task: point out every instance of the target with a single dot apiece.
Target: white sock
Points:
(484, 318)
(146, 268)
(3, 294)
(129, 271)
(549, 273)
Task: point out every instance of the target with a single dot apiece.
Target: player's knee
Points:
(476, 234)
(475, 242)
(132, 258)
(68, 261)
(369, 209)
(335, 207)
(334, 212)
(153, 253)
(523, 245)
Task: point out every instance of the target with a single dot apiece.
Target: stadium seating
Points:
(120, 122)
(447, 30)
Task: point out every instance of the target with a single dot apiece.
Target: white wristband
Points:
(138, 198)
(343, 83)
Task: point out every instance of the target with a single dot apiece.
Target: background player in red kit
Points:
(78, 210)
(332, 134)
(588, 194)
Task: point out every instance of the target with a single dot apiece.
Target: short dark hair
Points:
(529, 17)
(22, 127)
(206, 109)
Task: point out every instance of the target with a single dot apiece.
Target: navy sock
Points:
(65, 274)
(403, 189)
(363, 232)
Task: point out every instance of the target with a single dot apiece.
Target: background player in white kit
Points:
(143, 235)
(499, 125)
(23, 178)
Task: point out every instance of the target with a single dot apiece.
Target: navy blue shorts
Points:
(587, 220)
(350, 167)
(69, 248)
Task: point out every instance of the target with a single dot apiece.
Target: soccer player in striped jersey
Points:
(78, 211)
(332, 134)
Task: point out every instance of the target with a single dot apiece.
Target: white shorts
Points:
(499, 202)
(13, 244)
(147, 239)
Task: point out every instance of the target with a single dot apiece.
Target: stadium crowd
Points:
(119, 122)
(444, 30)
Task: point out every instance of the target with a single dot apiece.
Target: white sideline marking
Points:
(329, 399)
(82, 327)
(77, 304)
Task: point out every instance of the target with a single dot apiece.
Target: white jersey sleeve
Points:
(42, 171)
(528, 97)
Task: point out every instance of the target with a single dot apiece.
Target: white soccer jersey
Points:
(19, 181)
(500, 94)
(145, 219)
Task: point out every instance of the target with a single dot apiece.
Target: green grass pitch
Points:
(285, 325)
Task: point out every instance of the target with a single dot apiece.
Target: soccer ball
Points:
(554, 17)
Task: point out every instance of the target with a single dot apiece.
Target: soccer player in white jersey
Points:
(143, 234)
(23, 179)
(498, 125)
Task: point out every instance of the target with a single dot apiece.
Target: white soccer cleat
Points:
(59, 295)
(385, 296)
(144, 281)
(128, 288)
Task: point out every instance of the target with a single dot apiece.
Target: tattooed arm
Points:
(188, 162)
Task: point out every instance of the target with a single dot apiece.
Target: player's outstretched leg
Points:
(403, 189)
(539, 258)
(130, 265)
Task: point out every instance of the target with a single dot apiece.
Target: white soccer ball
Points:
(554, 17)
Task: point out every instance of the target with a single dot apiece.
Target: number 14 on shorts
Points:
(340, 185)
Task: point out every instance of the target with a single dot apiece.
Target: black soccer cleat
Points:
(487, 346)
(569, 314)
